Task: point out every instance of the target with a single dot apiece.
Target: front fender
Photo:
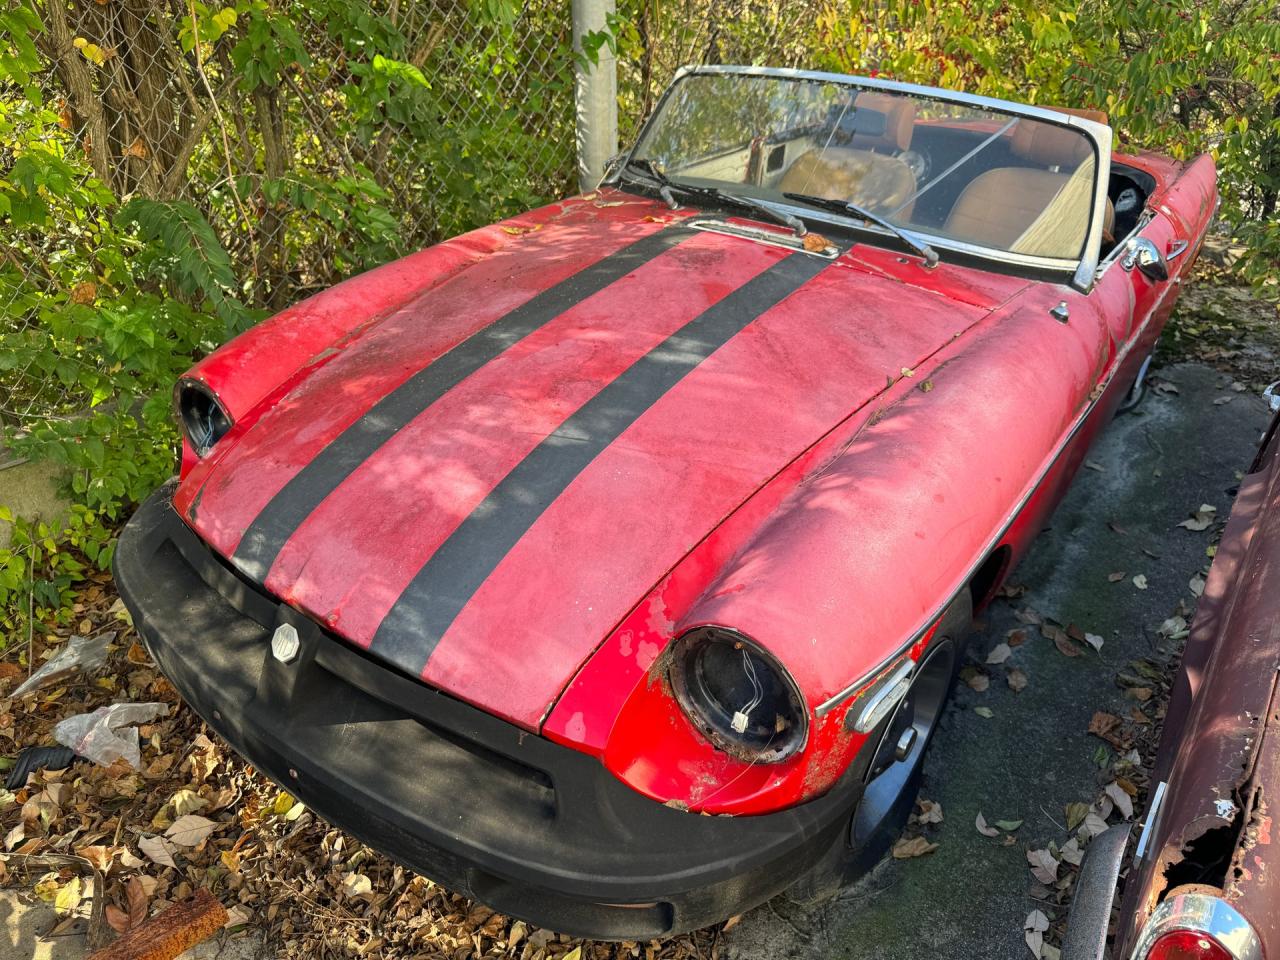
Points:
(842, 563)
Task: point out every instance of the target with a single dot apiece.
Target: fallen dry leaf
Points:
(816, 242)
(1121, 799)
(1076, 812)
(187, 801)
(68, 897)
(1044, 867)
(1201, 519)
(999, 653)
(1034, 928)
(158, 850)
(976, 680)
(1093, 640)
(1094, 824)
(985, 712)
(981, 824)
(930, 811)
(357, 885)
(1102, 724)
(1140, 581)
(191, 830)
(1071, 852)
(906, 849)
(117, 919)
(1017, 680)
(1117, 576)
(1065, 646)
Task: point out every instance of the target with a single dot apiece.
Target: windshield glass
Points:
(947, 170)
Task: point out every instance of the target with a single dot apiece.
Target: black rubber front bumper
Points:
(532, 828)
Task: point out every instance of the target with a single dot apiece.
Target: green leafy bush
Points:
(42, 564)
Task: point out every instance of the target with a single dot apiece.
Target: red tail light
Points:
(1187, 945)
(1197, 926)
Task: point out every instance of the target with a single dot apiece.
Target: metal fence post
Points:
(596, 94)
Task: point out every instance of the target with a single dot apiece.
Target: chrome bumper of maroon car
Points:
(535, 829)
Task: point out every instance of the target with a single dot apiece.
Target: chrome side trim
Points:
(1150, 821)
(1200, 913)
(851, 689)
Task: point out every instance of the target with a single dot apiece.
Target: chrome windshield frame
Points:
(1083, 271)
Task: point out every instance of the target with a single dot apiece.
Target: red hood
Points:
(479, 487)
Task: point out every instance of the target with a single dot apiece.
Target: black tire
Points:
(892, 786)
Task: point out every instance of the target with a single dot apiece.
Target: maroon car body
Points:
(1204, 870)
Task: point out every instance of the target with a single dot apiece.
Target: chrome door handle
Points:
(1176, 249)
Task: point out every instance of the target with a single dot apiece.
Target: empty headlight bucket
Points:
(203, 419)
(738, 695)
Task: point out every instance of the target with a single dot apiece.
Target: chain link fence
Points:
(323, 136)
(171, 171)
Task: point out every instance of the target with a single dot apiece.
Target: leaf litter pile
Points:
(110, 846)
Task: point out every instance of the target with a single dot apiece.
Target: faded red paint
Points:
(796, 485)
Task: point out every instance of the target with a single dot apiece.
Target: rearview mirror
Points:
(1143, 253)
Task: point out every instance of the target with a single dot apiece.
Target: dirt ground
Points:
(1021, 757)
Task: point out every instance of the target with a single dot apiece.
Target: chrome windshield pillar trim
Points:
(1200, 913)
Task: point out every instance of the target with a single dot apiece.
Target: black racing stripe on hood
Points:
(307, 489)
(409, 633)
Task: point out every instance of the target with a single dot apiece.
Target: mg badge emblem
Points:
(285, 643)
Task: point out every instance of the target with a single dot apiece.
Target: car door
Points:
(1158, 257)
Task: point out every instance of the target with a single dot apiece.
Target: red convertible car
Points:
(612, 564)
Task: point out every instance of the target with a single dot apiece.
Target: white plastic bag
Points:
(80, 655)
(107, 734)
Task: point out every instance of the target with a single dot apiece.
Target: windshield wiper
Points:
(843, 206)
(650, 172)
(667, 188)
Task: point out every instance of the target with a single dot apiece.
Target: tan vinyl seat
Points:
(1000, 206)
(860, 168)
